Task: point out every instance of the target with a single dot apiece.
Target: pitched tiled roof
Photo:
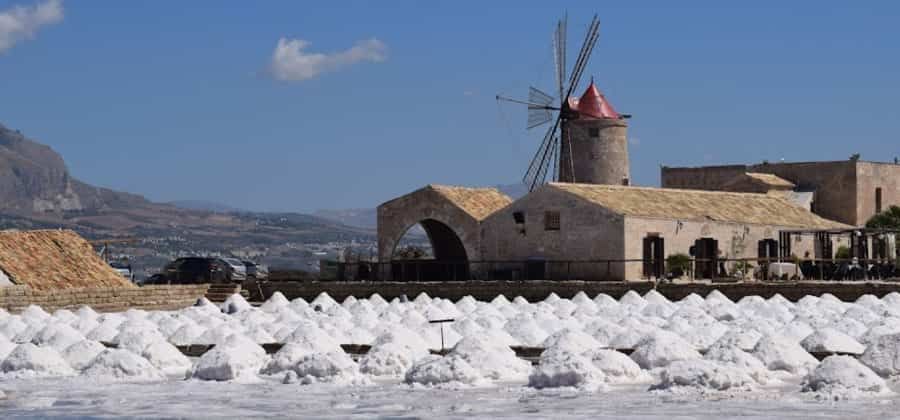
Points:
(477, 202)
(759, 209)
(54, 259)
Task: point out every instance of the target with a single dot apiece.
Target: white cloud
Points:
(20, 23)
(290, 61)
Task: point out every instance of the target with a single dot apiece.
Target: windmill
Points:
(557, 149)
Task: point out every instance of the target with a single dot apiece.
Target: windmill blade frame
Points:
(590, 39)
(539, 108)
(536, 168)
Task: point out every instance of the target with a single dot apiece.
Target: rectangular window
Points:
(878, 200)
(519, 217)
(551, 220)
(593, 132)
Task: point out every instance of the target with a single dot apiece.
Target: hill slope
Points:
(37, 191)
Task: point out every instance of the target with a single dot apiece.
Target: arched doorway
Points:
(446, 261)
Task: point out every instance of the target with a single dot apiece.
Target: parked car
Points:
(123, 268)
(238, 269)
(196, 270)
(256, 271)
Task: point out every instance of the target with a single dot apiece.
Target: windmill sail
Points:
(539, 109)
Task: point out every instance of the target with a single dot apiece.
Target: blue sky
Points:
(179, 99)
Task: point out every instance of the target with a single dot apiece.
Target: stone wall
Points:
(587, 232)
(870, 176)
(538, 290)
(169, 297)
(735, 240)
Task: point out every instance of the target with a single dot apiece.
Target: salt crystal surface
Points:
(661, 349)
(838, 376)
(122, 364)
(442, 370)
(781, 353)
(831, 340)
(703, 374)
(564, 369)
(81, 354)
(168, 359)
(236, 359)
(883, 355)
(29, 360)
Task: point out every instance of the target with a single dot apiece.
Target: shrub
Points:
(678, 264)
(843, 253)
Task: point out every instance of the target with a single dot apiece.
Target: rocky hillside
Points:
(37, 191)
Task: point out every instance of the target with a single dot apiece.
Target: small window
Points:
(519, 217)
(878, 200)
(626, 182)
(593, 132)
(551, 220)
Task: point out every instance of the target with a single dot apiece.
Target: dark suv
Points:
(194, 270)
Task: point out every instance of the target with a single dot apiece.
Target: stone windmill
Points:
(586, 141)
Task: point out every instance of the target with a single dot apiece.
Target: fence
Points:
(717, 269)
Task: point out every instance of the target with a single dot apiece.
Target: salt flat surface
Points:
(700, 357)
(76, 398)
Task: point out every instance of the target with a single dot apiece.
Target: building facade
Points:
(849, 191)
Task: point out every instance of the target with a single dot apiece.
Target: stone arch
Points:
(447, 225)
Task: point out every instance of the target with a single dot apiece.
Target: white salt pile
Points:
(81, 354)
(564, 369)
(331, 366)
(617, 367)
(436, 370)
(491, 359)
(842, 376)
(883, 355)
(122, 364)
(168, 359)
(235, 303)
(702, 374)
(831, 340)
(661, 349)
(781, 353)
(236, 359)
(29, 360)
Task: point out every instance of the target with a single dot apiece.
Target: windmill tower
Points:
(587, 140)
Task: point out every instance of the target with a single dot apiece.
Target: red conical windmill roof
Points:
(593, 104)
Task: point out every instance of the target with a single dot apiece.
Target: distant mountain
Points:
(364, 218)
(37, 191)
(204, 205)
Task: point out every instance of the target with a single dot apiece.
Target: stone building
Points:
(589, 231)
(849, 191)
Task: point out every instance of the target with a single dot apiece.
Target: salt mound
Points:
(6, 347)
(632, 299)
(883, 355)
(29, 360)
(236, 303)
(331, 365)
(837, 375)
(617, 367)
(236, 359)
(136, 341)
(491, 359)
(106, 331)
(122, 364)
(831, 340)
(187, 334)
(168, 359)
(275, 302)
(738, 358)
(572, 341)
(526, 330)
(57, 335)
(780, 353)
(442, 370)
(744, 339)
(34, 312)
(655, 297)
(286, 358)
(563, 369)
(81, 354)
(661, 349)
(703, 374)
(389, 359)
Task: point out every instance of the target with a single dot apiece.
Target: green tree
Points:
(888, 219)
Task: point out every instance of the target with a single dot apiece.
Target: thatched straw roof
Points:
(477, 202)
(54, 259)
(664, 203)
